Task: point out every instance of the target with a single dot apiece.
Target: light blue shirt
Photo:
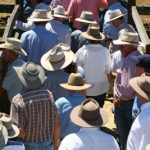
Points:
(14, 145)
(61, 30)
(65, 106)
(11, 82)
(37, 42)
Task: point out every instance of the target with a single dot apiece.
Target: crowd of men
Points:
(56, 77)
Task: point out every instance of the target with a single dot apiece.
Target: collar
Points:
(145, 106)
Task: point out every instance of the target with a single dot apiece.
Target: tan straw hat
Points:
(115, 15)
(127, 38)
(59, 12)
(12, 129)
(141, 85)
(40, 15)
(13, 44)
(57, 58)
(89, 114)
(86, 17)
(93, 33)
(75, 83)
(3, 135)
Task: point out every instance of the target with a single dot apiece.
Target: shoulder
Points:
(18, 100)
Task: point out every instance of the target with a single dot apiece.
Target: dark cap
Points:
(144, 61)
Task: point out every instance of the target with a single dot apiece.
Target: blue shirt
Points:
(65, 106)
(61, 30)
(136, 107)
(37, 42)
(14, 145)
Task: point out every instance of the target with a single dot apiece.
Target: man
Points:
(90, 117)
(142, 65)
(38, 41)
(76, 7)
(54, 61)
(33, 110)
(117, 23)
(139, 134)
(11, 50)
(57, 26)
(95, 61)
(77, 40)
(124, 68)
(76, 88)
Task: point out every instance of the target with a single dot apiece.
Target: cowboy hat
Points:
(12, 129)
(89, 114)
(86, 17)
(141, 85)
(31, 75)
(57, 58)
(93, 33)
(75, 83)
(115, 15)
(14, 45)
(127, 38)
(3, 135)
(59, 12)
(40, 15)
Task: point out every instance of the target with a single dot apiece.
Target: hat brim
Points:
(60, 16)
(31, 84)
(69, 55)
(85, 21)
(89, 37)
(119, 42)
(5, 46)
(4, 137)
(116, 18)
(103, 118)
(75, 88)
(14, 132)
(134, 84)
(39, 20)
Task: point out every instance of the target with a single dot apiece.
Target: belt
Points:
(120, 102)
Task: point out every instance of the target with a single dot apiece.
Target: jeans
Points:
(100, 99)
(44, 145)
(123, 120)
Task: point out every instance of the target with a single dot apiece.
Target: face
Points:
(139, 70)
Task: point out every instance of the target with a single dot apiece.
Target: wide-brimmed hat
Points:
(127, 38)
(93, 33)
(3, 135)
(59, 12)
(40, 15)
(75, 83)
(57, 58)
(115, 15)
(147, 147)
(12, 129)
(141, 85)
(86, 17)
(13, 44)
(31, 75)
(89, 114)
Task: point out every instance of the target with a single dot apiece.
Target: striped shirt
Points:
(35, 111)
(127, 70)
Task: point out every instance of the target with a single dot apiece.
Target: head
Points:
(35, 2)
(117, 22)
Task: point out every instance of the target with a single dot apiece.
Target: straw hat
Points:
(12, 129)
(93, 33)
(115, 15)
(40, 15)
(59, 12)
(75, 83)
(127, 38)
(86, 17)
(57, 58)
(89, 114)
(13, 44)
(3, 135)
(147, 147)
(31, 75)
(141, 85)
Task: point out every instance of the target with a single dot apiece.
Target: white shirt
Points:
(95, 61)
(89, 139)
(139, 135)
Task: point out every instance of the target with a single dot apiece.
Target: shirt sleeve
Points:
(108, 62)
(79, 58)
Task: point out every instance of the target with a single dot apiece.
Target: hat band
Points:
(58, 61)
(29, 77)
(12, 46)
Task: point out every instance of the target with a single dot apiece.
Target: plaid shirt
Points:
(35, 111)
